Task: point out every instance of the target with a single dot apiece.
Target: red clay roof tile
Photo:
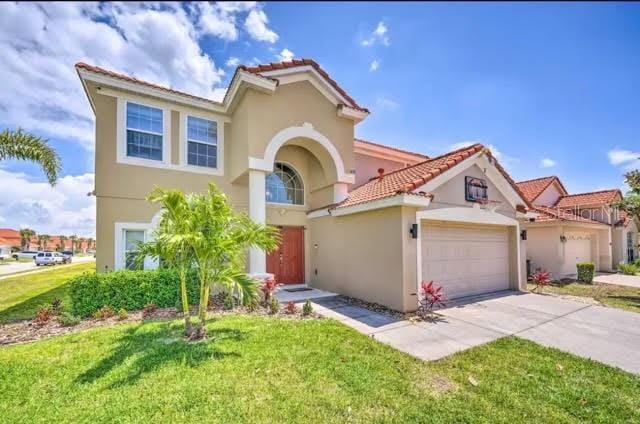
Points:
(602, 197)
(405, 180)
(532, 189)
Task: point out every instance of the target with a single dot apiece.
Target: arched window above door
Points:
(284, 186)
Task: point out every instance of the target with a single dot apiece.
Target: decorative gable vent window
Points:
(144, 132)
(284, 185)
(202, 142)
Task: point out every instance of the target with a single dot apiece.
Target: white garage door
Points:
(577, 248)
(465, 260)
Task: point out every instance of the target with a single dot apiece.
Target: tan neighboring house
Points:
(354, 218)
(572, 228)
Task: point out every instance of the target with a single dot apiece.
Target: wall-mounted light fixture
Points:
(523, 235)
(563, 239)
(413, 230)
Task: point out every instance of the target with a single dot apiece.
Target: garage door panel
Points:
(465, 260)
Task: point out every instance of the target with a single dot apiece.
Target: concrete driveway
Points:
(604, 334)
(619, 279)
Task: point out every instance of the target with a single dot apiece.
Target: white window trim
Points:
(120, 228)
(287, 205)
(184, 140)
(121, 123)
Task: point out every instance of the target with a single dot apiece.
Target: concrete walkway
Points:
(619, 279)
(604, 334)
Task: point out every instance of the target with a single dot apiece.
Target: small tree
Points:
(216, 238)
(429, 297)
(74, 239)
(540, 278)
(631, 201)
(24, 146)
(63, 241)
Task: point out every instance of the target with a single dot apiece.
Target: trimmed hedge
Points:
(129, 290)
(586, 271)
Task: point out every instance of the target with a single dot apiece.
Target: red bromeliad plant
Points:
(430, 297)
(268, 288)
(540, 278)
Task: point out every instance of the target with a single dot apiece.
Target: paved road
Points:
(15, 267)
(619, 279)
(608, 335)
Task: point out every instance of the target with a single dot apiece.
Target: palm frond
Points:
(24, 146)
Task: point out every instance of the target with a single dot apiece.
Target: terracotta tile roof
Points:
(258, 69)
(406, 180)
(534, 188)
(384, 146)
(9, 233)
(4, 242)
(553, 214)
(602, 197)
(123, 77)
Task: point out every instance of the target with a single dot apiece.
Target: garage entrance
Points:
(466, 260)
(577, 248)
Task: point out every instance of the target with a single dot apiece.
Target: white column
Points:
(258, 213)
(340, 192)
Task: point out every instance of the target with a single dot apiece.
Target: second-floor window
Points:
(202, 142)
(144, 132)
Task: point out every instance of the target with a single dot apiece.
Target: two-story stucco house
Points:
(356, 217)
(572, 228)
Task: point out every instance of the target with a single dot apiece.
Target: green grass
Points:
(622, 297)
(21, 295)
(264, 370)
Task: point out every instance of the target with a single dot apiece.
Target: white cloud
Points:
(379, 35)
(285, 55)
(232, 62)
(374, 65)
(547, 163)
(62, 209)
(628, 158)
(256, 26)
(40, 42)
(505, 160)
(384, 103)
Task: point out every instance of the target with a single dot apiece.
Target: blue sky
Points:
(551, 87)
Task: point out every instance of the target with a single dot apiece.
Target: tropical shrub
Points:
(540, 278)
(307, 308)
(103, 313)
(430, 296)
(129, 290)
(274, 306)
(44, 314)
(149, 309)
(67, 319)
(122, 314)
(586, 271)
(268, 288)
(229, 302)
(290, 308)
(56, 306)
(628, 269)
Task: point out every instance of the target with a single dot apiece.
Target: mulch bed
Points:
(27, 331)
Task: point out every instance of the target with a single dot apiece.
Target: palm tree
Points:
(205, 231)
(73, 239)
(81, 241)
(40, 241)
(25, 237)
(24, 146)
(63, 240)
(45, 240)
(89, 243)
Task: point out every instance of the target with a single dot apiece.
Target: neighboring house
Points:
(11, 236)
(281, 146)
(5, 248)
(572, 228)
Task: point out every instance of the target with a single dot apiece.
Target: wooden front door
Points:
(287, 262)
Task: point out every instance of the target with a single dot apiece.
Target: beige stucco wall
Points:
(619, 241)
(361, 255)
(549, 196)
(367, 167)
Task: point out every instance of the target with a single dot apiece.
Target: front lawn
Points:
(262, 369)
(622, 297)
(21, 295)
